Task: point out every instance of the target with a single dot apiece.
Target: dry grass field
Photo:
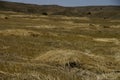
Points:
(39, 47)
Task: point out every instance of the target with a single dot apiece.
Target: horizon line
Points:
(57, 4)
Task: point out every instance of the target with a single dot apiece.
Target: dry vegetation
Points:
(37, 47)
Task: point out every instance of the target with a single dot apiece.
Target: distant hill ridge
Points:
(90, 11)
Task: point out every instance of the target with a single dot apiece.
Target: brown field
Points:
(39, 47)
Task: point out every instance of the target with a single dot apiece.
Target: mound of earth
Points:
(74, 59)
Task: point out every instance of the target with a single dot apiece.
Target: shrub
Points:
(44, 13)
(5, 17)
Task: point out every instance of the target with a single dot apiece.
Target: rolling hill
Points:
(90, 11)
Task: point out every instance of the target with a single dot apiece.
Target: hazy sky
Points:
(71, 2)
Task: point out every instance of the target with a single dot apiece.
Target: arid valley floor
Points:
(40, 47)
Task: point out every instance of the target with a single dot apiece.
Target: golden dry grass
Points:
(18, 32)
(36, 47)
